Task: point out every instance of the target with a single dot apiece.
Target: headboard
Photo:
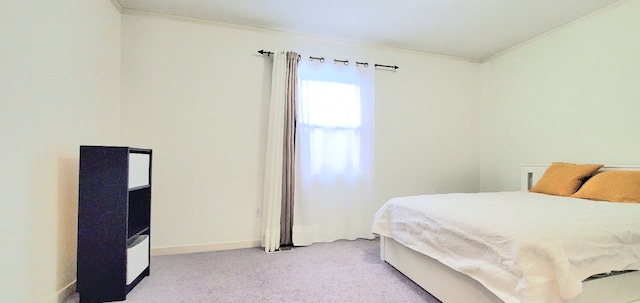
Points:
(531, 173)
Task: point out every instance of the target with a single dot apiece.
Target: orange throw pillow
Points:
(564, 179)
(613, 186)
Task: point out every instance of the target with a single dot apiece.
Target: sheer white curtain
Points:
(333, 197)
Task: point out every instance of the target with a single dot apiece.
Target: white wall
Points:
(572, 95)
(198, 95)
(59, 88)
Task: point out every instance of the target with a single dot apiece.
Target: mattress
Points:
(522, 246)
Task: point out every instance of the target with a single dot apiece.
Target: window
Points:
(330, 114)
(333, 198)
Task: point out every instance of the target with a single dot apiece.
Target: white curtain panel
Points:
(272, 191)
(333, 197)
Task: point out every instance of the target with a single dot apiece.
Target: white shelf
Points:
(138, 170)
(137, 257)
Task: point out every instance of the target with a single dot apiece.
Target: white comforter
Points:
(524, 247)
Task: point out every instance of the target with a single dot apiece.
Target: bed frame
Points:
(451, 286)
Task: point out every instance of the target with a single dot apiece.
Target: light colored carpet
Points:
(341, 271)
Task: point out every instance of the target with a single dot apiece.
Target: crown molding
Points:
(117, 5)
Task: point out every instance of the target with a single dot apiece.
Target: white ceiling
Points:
(472, 29)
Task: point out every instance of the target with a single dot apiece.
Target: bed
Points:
(458, 260)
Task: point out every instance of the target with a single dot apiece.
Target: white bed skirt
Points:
(451, 286)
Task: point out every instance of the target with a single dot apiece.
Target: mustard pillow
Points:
(563, 179)
(614, 186)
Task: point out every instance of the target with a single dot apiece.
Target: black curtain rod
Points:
(345, 62)
(387, 66)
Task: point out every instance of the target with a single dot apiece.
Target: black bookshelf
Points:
(112, 215)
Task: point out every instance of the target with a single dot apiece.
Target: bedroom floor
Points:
(340, 271)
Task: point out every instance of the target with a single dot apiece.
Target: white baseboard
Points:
(175, 250)
(63, 294)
